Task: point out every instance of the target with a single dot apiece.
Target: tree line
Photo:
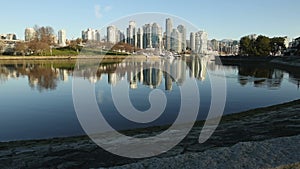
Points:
(261, 46)
(42, 43)
(43, 39)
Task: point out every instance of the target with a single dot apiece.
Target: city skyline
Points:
(151, 35)
(222, 20)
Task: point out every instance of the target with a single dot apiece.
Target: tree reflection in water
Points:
(260, 76)
(40, 76)
(46, 75)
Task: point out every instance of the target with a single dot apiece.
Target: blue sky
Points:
(229, 19)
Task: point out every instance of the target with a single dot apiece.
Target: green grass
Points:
(61, 52)
(88, 51)
(67, 51)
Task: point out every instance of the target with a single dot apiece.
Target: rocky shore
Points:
(247, 155)
(273, 132)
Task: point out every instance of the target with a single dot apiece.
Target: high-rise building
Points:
(147, 36)
(164, 40)
(156, 36)
(176, 41)
(111, 34)
(83, 35)
(201, 39)
(132, 34)
(62, 37)
(29, 34)
(88, 34)
(169, 27)
(197, 42)
(97, 36)
(150, 36)
(120, 36)
(214, 45)
(140, 38)
(182, 30)
(91, 35)
(192, 41)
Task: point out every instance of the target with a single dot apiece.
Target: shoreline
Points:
(291, 61)
(259, 124)
(268, 154)
(285, 61)
(71, 57)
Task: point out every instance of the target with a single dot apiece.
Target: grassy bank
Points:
(66, 57)
(69, 52)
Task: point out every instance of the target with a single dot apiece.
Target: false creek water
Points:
(36, 96)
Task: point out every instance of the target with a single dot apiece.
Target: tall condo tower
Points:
(132, 33)
(182, 31)
(111, 34)
(192, 41)
(169, 28)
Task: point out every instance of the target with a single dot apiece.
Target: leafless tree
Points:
(21, 47)
(44, 38)
(2, 45)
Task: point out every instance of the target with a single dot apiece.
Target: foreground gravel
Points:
(246, 155)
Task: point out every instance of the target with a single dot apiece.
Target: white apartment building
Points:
(201, 39)
(192, 41)
(112, 34)
(169, 27)
(62, 37)
(176, 41)
(91, 35)
(29, 34)
(182, 31)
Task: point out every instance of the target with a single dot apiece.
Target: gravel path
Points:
(246, 155)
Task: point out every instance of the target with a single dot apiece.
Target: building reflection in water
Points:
(45, 76)
(153, 73)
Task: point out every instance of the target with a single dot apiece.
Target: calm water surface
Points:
(36, 96)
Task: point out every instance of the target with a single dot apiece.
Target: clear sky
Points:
(222, 19)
